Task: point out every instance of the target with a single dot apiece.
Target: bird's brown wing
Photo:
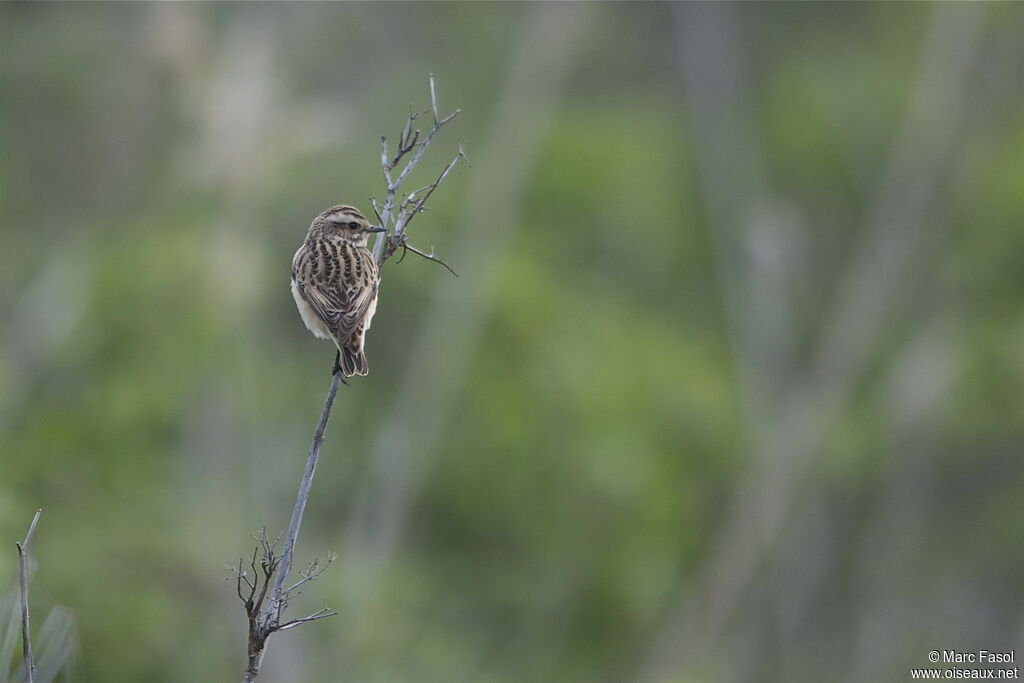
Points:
(338, 282)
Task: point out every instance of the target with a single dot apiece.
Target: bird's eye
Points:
(353, 225)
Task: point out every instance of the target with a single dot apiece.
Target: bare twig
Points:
(267, 597)
(409, 143)
(312, 573)
(319, 614)
(26, 640)
(429, 257)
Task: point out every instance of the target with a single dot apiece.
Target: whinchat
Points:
(334, 282)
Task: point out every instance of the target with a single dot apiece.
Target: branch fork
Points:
(253, 585)
(394, 214)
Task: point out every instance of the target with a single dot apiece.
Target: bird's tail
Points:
(353, 361)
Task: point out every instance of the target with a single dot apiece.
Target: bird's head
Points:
(346, 221)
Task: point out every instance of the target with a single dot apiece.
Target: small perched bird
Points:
(334, 282)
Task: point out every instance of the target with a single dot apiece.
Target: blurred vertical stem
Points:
(899, 221)
(26, 639)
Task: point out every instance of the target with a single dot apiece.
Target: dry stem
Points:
(264, 594)
(26, 641)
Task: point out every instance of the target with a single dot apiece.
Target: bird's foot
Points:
(336, 370)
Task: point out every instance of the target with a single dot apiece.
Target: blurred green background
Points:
(730, 387)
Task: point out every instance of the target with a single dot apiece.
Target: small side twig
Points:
(429, 257)
(26, 640)
(393, 214)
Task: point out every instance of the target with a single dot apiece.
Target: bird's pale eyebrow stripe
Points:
(338, 213)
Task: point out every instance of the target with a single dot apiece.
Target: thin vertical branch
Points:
(303, 496)
(265, 618)
(26, 640)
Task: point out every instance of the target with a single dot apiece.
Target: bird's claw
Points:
(336, 370)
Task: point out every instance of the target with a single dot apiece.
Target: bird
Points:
(334, 284)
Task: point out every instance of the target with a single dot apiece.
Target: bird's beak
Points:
(375, 228)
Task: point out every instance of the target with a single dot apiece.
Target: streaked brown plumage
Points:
(334, 283)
